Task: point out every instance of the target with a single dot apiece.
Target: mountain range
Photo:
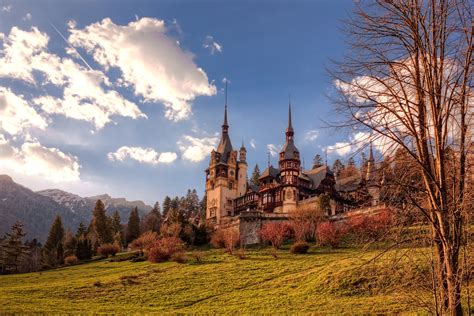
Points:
(36, 210)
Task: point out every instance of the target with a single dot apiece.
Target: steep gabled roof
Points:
(317, 175)
(270, 172)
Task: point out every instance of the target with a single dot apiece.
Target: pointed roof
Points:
(225, 145)
(371, 153)
(290, 126)
(270, 172)
(289, 149)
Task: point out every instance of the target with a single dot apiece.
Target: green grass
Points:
(323, 281)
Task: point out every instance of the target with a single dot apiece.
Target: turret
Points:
(242, 153)
(289, 164)
(373, 187)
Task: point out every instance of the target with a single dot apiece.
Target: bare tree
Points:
(408, 85)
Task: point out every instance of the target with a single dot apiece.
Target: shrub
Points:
(330, 234)
(275, 233)
(305, 219)
(226, 238)
(299, 247)
(217, 238)
(179, 257)
(369, 227)
(108, 250)
(162, 249)
(198, 256)
(144, 242)
(71, 260)
(241, 254)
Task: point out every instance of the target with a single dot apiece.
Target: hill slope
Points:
(36, 210)
(322, 282)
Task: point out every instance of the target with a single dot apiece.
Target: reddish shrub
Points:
(198, 256)
(144, 242)
(218, 238)
(71, 260)
(330, 234)
(300, 247)
(162, 249)
(226, 238)
(275, 233)
(179, 257)
(370, 227)
(108, 250)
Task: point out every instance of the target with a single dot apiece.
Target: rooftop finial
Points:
(268, 158)
(225, 125)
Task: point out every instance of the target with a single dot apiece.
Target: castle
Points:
(232, 200)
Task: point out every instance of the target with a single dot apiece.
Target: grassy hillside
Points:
(324, 281)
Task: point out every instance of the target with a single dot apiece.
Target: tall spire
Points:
(290, 126)
(225, 126)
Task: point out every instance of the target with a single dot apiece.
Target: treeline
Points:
(105, 235)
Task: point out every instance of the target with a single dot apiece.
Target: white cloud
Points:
(212, 45)
(272, 149)
(356, 142)
(253, 144)
(86, 93)
(17, 116)
(196, 149)
(311, 135)
(34, 159)
(27, 17)
(6, 8)
(142, 155)
(150, 61)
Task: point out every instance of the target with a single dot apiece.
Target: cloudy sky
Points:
(126, 97)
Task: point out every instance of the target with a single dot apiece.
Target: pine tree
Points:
(81, 230)
(166, 206)
(133, 227)
(256, 175)
(12, 249)
(70, 243)
(100, 223)
(152, 220)
(54, 244)
(317, 161)
(117, 229)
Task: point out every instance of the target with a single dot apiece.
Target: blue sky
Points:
(266, 49)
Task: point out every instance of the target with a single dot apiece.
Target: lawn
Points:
(323, 281)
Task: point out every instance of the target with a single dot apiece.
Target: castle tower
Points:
(222, 177)
(242, 171)
(289, 164)
(371, 179)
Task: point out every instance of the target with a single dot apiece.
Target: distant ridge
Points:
(36, 210)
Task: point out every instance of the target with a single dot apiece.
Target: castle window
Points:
(231, 185)
(212, 212)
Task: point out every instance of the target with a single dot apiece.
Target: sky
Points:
(126, 97)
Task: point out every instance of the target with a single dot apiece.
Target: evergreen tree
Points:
(81, 230)
(133, 227)
(166, 206)
(101, 224)
(317, 161)
(83, 248)
(12, 249)
(117, 229)
(256, 175)
(152, 220)
(192, 203)
(70, 243)
(54, 244)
